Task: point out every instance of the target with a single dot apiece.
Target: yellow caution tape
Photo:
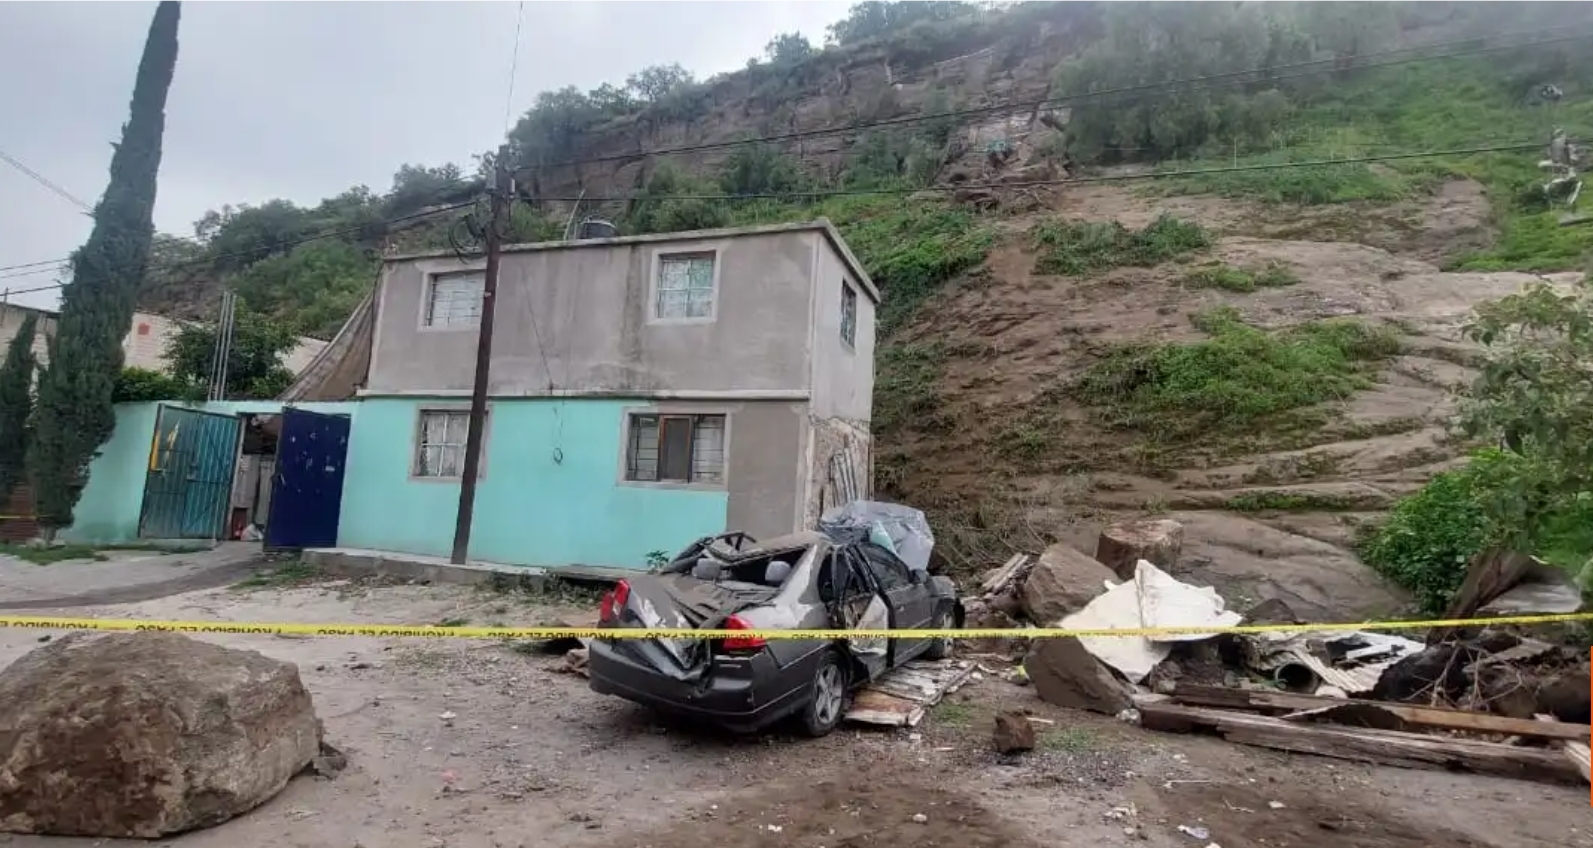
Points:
(390, 630)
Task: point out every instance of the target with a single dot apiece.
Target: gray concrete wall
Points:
(579, 319)
(764, 478)
(843, 375)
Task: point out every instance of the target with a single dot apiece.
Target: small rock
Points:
(1276, 805)
(920, 818)
(1013, 733)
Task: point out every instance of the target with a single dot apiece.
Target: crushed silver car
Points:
(847, 576)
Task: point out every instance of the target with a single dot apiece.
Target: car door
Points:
(910, 604)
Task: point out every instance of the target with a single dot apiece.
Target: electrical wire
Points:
(441, 210)
(1113, 96)
(39, 178)
(514, 65)
(1113, 178)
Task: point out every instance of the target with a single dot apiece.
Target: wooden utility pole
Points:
(500, 189)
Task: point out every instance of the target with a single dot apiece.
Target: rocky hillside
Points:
(1262, 348)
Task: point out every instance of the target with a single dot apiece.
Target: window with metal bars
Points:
(676, 449)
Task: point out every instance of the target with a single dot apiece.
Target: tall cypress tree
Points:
(16, 405)
(74, 415)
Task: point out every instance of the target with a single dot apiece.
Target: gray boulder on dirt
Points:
(1063, 581)
(1122, 545)
(1066, 674)
(146, 734)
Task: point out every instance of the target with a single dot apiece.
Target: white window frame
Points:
(713, 254)
(418, 443)
(429, 291)
(848, 298)
(632, 422)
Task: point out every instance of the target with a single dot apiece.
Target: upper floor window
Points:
(454, 300)
(676, 449)
(848, 314)
(685, 286)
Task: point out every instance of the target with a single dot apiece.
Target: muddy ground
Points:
(531, 757)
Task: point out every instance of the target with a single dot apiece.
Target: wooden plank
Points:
(1004, 575)
(1437, 717)
(1401, 750)
(1579, 753)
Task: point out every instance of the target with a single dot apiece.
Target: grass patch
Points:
(953, 714)
(1314, 185)
(452, 622)
(1077, 248)
(1290, 502)
(1238, 381)
(1241, 280)
(295, 573)
(907, 387)
(52, 554)
(1070, 740)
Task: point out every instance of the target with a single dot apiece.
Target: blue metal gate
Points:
(307, 488)
(192, 460)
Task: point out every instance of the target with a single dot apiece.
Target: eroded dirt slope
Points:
(1275, 516)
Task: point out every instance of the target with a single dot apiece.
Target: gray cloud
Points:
(302, 100)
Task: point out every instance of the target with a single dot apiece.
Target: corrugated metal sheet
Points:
(901, 697)
(1269, 652)
(16, 516)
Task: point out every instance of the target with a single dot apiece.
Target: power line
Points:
(195, 263)
(1098, 98)
(1155, 175)
(514, 65)
(42, 180)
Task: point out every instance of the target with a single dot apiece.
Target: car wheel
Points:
(828, 699)
(940, 647)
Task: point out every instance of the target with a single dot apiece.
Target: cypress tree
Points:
(74, 415)
(16, 405)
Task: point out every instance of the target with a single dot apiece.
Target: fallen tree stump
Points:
(1382, 747)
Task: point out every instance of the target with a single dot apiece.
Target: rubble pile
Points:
(1489, 700)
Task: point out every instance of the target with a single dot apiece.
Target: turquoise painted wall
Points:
(532, 508)
(108, 511)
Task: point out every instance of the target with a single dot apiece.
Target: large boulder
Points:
(1063, 581)
(146, 734)
(1066, 674)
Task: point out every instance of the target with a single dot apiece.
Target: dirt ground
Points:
(474, 744)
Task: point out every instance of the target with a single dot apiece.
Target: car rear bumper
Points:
(746, 697)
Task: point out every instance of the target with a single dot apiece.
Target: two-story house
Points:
(644, 391)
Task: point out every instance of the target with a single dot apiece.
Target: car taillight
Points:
(613, 601)
(742, 644)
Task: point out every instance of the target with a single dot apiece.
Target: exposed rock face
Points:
(146, 734)
(1063, 581)
(1123, 545)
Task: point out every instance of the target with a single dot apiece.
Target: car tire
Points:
(940, 648)
(827, 697)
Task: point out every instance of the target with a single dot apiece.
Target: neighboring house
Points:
(145, 344)
(645, 391)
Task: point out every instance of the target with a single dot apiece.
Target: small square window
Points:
(440, 444)
(454, 300)
(685, 286)
(676, 449)
(848, 314)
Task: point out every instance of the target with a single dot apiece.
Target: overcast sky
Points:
(303, 100)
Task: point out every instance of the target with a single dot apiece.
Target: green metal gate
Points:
(192, 460)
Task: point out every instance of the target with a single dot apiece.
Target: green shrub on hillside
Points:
(1235, 381)
(1430, 538)
(1242, 280)
(1077, 248)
